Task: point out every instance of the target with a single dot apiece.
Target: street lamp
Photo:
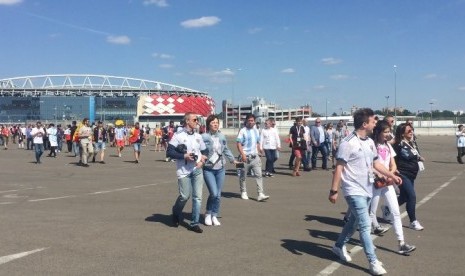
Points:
(420, 111)
(431, 118)
(387, 105)
(56, 121)
(326, 113)
(395, 93)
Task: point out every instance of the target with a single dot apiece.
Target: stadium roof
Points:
(87, 85)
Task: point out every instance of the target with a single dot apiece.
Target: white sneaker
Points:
(208, 219)
(119, 154)
(244, 195)
(262, 197)
(415, 225)
(215, 221)
(376, 268)
(342, 253)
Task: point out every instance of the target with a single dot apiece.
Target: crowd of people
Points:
(373, 162)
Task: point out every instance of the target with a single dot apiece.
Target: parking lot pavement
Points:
(114, 219)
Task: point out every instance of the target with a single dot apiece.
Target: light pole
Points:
(56, 122)
(326, 112)
(420, 111)
(387, 105)
(395, 94)
(431, 118)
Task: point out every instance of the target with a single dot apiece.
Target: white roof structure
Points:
(87, 85)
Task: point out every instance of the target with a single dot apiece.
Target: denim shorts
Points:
(136, 146)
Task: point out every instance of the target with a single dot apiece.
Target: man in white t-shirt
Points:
(186, 148)
(356, 158)
(37, 134)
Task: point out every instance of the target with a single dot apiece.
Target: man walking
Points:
(186, 148)
(248, 145)
(100, 140)
(356, 158)
(136, 135)
(37, 134)
(318, 137)
(85, 137)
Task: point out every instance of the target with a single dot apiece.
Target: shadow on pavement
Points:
(325, 220)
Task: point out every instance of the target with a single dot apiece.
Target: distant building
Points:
(234, 116)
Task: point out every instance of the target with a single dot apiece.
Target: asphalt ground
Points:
(115, 219)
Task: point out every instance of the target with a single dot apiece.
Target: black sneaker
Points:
(85, 165)
(380, 230)
(175, 220)
(406, 248)
(195, 229)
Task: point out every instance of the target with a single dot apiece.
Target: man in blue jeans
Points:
(185, 147)
(38, 134)
(356, 158)
(318, 137)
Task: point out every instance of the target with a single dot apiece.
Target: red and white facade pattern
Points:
(168, 104)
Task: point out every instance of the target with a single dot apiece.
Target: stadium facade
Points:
(58, 98)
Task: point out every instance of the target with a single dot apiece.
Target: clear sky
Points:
(289, 52)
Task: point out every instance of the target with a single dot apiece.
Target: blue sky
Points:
(289, 52)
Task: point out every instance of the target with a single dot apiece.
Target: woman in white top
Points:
(270, 144)
(386, 154)
(460, 134)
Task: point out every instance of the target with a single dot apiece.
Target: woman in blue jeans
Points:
(408, 162)
(213, 170)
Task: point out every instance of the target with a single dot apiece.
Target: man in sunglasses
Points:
(188, 149)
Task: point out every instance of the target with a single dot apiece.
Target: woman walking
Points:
(386, 154)
(213, 170)
(409, 162)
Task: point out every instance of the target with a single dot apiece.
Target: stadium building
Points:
(63, 98)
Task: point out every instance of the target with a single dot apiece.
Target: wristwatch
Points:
(332, 192)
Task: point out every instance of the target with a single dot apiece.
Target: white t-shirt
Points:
(385, 152)
(358, 155)
(194, 144)
(39, 139)
(460, 139)
(52, 136)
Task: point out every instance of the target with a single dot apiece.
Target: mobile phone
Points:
(239, 165)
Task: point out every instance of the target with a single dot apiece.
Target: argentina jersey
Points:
(248, 139)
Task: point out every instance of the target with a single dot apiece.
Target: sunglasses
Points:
(317, 122)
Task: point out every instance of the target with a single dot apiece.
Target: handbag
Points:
(380, 182)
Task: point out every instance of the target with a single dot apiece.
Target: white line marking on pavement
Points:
(50, 198)
(121, 189)
(94, 193)
(9, 258)
(335, 265)
(10, 191)
(5, 203)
